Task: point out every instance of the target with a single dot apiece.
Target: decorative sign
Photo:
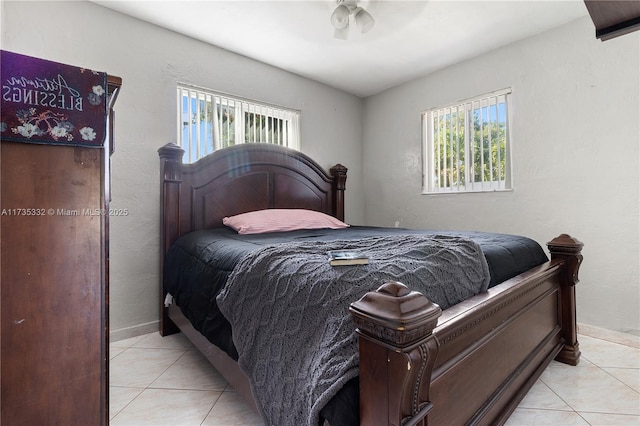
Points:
(51, 103)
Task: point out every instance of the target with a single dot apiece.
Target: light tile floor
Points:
(165, 381)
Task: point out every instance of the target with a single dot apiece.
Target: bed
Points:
(471, 363)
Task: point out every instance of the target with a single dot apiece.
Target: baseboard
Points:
(133, 331)
(627, 339)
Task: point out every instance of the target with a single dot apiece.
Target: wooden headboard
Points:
(240, 179)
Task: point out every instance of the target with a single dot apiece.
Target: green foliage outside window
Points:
(470, 147)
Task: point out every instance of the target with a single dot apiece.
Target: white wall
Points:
(151, 61)
(575, 134)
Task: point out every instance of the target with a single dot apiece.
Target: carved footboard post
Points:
(568, 249)
(339, 173)
(397, 354)
(170, 180)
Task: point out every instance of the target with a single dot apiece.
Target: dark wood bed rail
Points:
(400, 333)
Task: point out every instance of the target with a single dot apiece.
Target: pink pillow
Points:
(279, 220)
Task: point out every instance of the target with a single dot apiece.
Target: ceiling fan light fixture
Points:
(340, 17)
(341, 33)
(364, 20)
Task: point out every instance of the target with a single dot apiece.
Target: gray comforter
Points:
(288, 308)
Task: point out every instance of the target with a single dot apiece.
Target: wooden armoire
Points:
(54, 258)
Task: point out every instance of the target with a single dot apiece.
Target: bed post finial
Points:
(397, 354)
(339, 173)
(170, 183)
(568, 249)
(171, 153)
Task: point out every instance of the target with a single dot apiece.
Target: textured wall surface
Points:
(151, 61)
(575, 133)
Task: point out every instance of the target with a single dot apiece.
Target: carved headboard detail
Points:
(239, 179)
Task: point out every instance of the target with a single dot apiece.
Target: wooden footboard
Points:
(474, 362)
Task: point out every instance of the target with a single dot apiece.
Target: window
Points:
(208, 121)
(467, 147)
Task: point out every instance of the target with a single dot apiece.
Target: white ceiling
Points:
(410, 38)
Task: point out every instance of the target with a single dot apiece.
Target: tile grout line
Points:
(150, 385)
(127, 404)
(211, 409)
(165, 370)
(147, 386)
(127, 387)
(613, 340)
(614, 377)
(573, 410)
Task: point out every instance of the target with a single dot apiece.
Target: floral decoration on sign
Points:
(55, 124)
(48, 102)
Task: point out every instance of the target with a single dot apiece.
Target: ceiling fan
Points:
(342, 14)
